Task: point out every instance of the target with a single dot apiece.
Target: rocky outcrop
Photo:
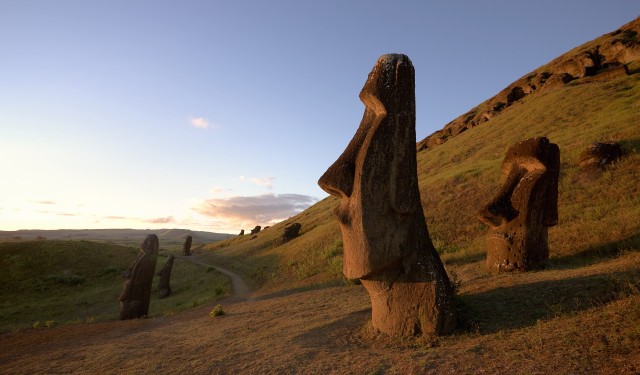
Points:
(593, 161)
(291, 231)
(599, 155)
(165, 277)
(186, 247)
(604, 58)
(136, 292)
(385, 236)
(523, 208)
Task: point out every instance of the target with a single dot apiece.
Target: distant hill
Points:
(119, 236)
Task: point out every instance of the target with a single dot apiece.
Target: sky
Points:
(222, 115)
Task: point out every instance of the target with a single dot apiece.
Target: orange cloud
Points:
(255, 210)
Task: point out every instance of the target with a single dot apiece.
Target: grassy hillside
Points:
(597, 219)
(46, 283)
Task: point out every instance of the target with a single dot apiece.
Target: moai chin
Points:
(136, 293)
(186, 247)
(525, 206)
(385, 236)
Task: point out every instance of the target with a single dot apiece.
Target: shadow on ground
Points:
(595, 254)
(520, 306)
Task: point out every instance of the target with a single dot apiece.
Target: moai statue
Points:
(134, 299)
(256, 229)
(385, 236)
(165, 276)
(241, 232)
(186, 247)
(527, 203)
(291, 231)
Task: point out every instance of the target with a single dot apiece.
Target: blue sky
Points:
(221, 115)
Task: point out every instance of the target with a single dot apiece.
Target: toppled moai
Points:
(386, 240)
(256, 229)
(186, 247)
(291, 231)
(134, 299)
(595, 158)
(165, 276)
(524, 207)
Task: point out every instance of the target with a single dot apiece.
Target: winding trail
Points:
(240, 290)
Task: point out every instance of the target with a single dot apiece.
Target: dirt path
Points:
(240, 290)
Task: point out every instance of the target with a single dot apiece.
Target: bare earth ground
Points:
(327, 331)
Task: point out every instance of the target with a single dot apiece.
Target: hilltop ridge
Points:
(604, 58)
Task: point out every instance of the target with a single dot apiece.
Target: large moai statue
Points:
(186, 247)
(256, 229)
(134, 299)
(165, 276)
(385, 236)
(527, 203)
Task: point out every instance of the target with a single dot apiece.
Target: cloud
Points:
(44, 202)
(200, 122)
(260, 181)
(255, 210)
(115, 217)
(161, 220)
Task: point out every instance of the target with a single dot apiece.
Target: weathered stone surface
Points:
(291, 231)
(165, 276)
(186, 247)
(386, 241)
(241, 232)
(593, 161)
(524, 207)
(256, 229)
(134, 299)
(599, 155)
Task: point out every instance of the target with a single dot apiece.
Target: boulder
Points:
(385, 236)
(600, 154)
(523, 208)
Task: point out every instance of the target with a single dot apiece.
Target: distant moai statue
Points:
(256, 229)
(136, 292)
(241, 232)
(291, 231)
(186, 247)
(165, 276)
(385, 235)
(527, 203)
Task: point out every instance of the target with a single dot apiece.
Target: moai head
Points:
(524, 207)
(375, 176)
(136, 292)
(186, 247)
(385, 236)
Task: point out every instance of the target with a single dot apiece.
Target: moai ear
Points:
(553, 171)
(403, 189)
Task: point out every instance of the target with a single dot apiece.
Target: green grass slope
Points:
(46, 283)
